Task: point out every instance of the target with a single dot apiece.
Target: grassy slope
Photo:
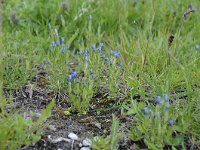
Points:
(138, 30)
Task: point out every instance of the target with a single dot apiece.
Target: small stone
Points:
(86, 142)
(80, 144)
(98, 125)
(85, 148)
(73, 136)
(52, 127)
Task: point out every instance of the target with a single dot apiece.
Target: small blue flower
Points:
(53, 44)
(116, 54)
(73, 75)
(63, 50)
(87, 51)
(93, 46)
(196, 47)
(62, 40)
(91, 71)
(158, 99)
(171, 122)
(80, 52)
(146, 110)
(90, 17)
(101, 44)
(100, 47)
(57, 43)
(70, 78)
(86, 58)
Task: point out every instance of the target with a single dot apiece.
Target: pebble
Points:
(85, 148)
(52, 128)
(73, 136)
(86, 142)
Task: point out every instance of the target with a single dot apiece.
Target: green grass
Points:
(138, 30)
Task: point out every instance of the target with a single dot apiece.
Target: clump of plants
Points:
(17, 131)
(158, 125)
(110, 142)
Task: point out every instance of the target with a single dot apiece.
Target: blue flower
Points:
(80, 52)
(53, 44)
(90, 17)
(146, 110)
(63, 50)
(91, 71)
(62, 40)
(171, 122)
(101, 44)
(158, 99)
(93, 46)
(74, 75)
(87, 51)
(70, 78)
(196, 47)
(86, 59)
(100, 47)
(116, 54)
(57, 43)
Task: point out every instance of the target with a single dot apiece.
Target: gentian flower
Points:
(100, 47)
(86, 59)
(171, 122)
(158, 99)
(62, 40)
(91, 71)
(70, 78)
(53, 44)
(196, 47)
(74, 75)
(87, 51)
(116, 54)
(57, 43)
(93, 46)
(63, 50)
(90, 17)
